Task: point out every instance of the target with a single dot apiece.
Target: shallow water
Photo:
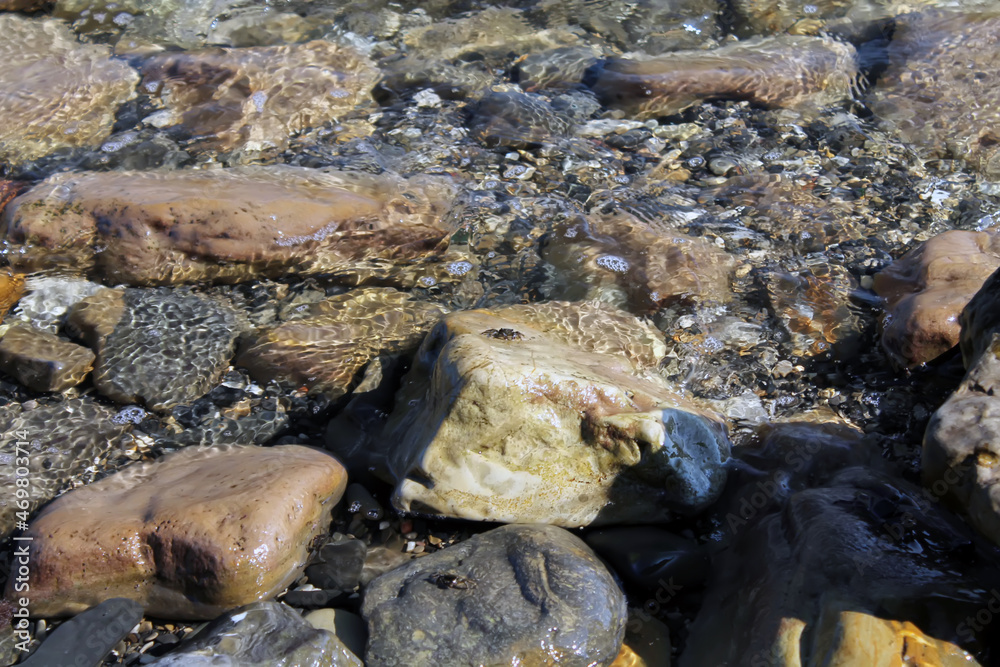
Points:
(733, 172)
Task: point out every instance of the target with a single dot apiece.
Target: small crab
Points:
(503, 334)
(451, 580)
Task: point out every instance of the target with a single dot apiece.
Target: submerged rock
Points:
(926, 289)
(256, 98)
(11, 290)
(513, 595)
(48, 299)
(156, 346)
(43, 361)
(55, 92)
(187, 536)
(62, 442)
(541, 413)
(327, 349)
(941, 90)
(158, 228)
(261, 634)
(805, 73)
(515, 120)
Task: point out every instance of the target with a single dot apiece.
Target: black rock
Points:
(88, 637)
(338, 564)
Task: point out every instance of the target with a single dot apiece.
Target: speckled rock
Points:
(43, 361)
(624, 260)
(57, 92)
(149, 228)
(48, 299)
(63, 442)
(187, 536)
(327, 349)
(804, 73)
(261, 634)
(255, 98)
(518, 594)
(926, 289)
(160, 347)
(940, 90)
(541, 413)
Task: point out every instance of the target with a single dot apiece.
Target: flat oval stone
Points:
(43, 361)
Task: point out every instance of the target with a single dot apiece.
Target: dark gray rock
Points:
(649, 557)
(85, 639)
(338, 564)
(520, 594)
(262, 634)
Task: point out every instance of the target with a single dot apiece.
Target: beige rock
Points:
(257, 97)
(43, 361)
(55, 92)
(787, 71)
(523, 415)
(195, 533)
(926, 289)
(154, 228)
(326, 349)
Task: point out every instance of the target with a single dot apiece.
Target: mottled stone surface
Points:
(814, 306)
(55, 92)
(149, 228)
(941, 90)
(538, 413)
(926, 289)
(63, 442)
(327, 349)
(634, 264)
(88, 637)
(187, 536)
(43, 361)
(160, 347)
(48, 299)
(518, 594)
(788, 71)
(256, 98)
(261, 634)
(515, 120)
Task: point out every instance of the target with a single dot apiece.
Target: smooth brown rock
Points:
(814, 305)
(188, 536)
(155, 228)
(926, 289)
(43, 361)
(255, 98)
(326, 350)
(55, 92)
(11, 290)
(787, 71)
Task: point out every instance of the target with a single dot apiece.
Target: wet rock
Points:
(261, 634)
(651, 558)
(349, 628)
(9, 190)
(338, 564)
(540, 413)
(48, 299)
(256, 98)
(980, 319)
(159, 347)
(43, 361)
(803, 73)
(561, 68)
(926, 289)
(515, 120)
(647, 642)
(57, 92)
(62, 442)
(942, 64)
(88, 637)
(187, 536)
(21, 5)
(518, 594)
(11, 290)
(154, 228)
(860, 540)
(326, 349)
(624, 260)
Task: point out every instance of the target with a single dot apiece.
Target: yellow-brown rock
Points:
(156, 228)
(55, 92)
(927, 288)
(326, 349)
(43, 361)
(188, 536)
(11, 290)
(257, 97)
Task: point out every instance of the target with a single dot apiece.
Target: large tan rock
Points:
(195, 533)
(257, 97)
(326, 349)
(926, 289)
(547, 413)
(55, 92)
(43, 361)
(154, 228)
